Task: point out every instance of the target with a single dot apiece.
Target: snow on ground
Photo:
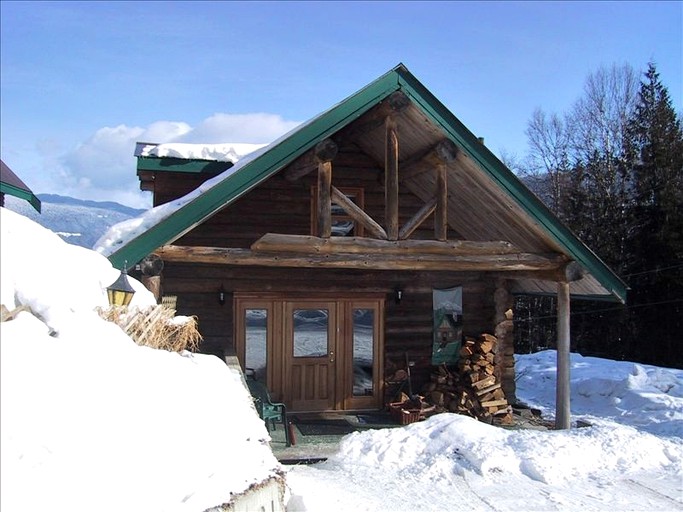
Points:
(630, 458)
(89, 420)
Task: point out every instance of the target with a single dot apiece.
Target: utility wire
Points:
(622, 308)
(654, 270)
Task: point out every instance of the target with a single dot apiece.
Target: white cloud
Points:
(257, 128)
(102, 167)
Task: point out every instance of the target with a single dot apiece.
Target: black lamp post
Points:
(120, 292)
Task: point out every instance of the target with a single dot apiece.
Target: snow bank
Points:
(453, 462)
(457, 443)
(630, 458)
(647, 397)
(90, 420)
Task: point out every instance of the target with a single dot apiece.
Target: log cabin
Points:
(314, 259)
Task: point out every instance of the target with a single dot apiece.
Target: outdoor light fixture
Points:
(120, 292)
(221, 296)
(398, 295)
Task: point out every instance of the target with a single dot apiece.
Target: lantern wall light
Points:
(120, 292)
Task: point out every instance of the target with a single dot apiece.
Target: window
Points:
(342, 223)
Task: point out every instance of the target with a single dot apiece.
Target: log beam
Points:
(444, 152)
(417, 220)
(303, 244)
(324, 151)
(357, 214)
(247, 257)
(395, 104)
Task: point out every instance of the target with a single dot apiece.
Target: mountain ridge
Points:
(77, 221)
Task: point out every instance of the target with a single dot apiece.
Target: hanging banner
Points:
(447, 306)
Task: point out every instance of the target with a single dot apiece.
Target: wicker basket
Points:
(403, 416)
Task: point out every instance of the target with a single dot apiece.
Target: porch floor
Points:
(317, 445)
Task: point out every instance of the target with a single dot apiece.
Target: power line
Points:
(654, 270)
(620, 308)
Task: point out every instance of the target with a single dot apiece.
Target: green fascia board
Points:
(27, 195)
(254, 172)
(527, 200)
(172, 164)
(306, 136)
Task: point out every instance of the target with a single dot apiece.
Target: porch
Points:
(317, 436)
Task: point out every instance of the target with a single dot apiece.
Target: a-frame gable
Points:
(259, 166)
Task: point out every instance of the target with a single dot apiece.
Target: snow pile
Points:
(228, 152)
(453, 462)
(90, 420)
(629, 458)
(647, 397)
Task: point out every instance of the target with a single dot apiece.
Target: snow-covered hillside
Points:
(76, 221)
(91, 421)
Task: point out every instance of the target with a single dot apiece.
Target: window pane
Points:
(256, 337)
(310, 332)
(363, 344)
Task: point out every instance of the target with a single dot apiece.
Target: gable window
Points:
(342, 223)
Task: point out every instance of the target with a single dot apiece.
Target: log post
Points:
(441, 212)
(562, 404)
(151, 267)
(324, 199)
(153, 284)
(325, 151)
(391, 180)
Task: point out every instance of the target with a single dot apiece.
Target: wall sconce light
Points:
(120, 292)
(221, 296)
(398, 295)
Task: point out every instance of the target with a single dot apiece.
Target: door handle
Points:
(331, 356)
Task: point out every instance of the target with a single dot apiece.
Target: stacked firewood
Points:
(474, 389)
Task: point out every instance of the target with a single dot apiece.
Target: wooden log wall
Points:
(283, 206)
(408, 324)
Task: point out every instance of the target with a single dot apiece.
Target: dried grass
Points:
(156, 327)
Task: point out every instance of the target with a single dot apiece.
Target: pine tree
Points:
(654, 147)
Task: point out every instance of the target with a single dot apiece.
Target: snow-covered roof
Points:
(226, 152)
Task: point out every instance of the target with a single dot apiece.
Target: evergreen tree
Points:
(613, 172)
(654, 146)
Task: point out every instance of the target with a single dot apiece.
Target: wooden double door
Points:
(314, 354)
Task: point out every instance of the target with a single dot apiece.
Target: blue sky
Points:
(82, 81)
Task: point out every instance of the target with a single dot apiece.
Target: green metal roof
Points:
(290, 147)
(171, 164)
(11, 184)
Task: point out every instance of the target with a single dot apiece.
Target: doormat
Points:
(322, 427)
(375, 419)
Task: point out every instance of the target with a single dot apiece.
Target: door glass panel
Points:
(310, 332)
(256, 338)
(363, 334)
